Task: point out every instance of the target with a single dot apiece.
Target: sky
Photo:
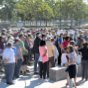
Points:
(2, 6)
(86, 1)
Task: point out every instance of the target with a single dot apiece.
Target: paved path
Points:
(33, 81)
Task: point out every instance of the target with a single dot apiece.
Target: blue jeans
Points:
(36, 57)
(9, 72)
(17, 68)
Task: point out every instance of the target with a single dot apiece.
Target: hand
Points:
(26, 51)
(6, 61)
(44, 55)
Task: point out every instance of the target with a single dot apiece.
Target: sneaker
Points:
(10, 83)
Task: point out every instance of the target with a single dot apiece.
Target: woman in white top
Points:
(9, 62)
(71, 60)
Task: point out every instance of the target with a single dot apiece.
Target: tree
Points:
(34, 9)
(6, 12)
(44, 10)
(72, 10)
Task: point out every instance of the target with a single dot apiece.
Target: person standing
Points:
(19, 58)
(30, 42)
(66, 42)
(36, 52)
(24, 52)
(51, 48)
(9, 63)
(43, 60)
(57, 44)
(71, 68)
(84, 52)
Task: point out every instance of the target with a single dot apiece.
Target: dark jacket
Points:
(36, 45)
(84, 52)
(1, 45)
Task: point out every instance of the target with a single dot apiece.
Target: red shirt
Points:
(65, 44)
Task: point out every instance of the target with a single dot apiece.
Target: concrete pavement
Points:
(33, 81)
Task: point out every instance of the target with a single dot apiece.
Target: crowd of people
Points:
(48, 47)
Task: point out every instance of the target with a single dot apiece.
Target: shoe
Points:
(86, 79)
(66, 84)
(40, 78)
(36, 73)
(10, 83)
(44, 77)
(27, 71)
(47, 77)
(16, 76)
(82, 79)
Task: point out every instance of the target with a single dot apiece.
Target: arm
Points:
(20, 53)
(67, 58)
(23, 46)
(45, 52)
(5, 60)
(25, 49)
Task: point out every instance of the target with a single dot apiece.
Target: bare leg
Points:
(67, 79)
(75, 82)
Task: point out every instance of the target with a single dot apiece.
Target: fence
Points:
(52, 23)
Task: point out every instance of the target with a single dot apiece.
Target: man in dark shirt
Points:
(36, 52)
(1, 44)
(84, 52)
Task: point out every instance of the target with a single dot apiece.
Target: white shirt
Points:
(56, 53)
(73, 56)
(9, 54)
(78, 59)
(63, 59)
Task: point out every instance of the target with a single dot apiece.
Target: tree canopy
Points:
(43, 9)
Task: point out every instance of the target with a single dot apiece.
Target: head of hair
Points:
(16, 40)
(67, 38)
(43, 35)
(71, 49)
(37, 34)
(21, 35)
(52, 39)
(9, 45)
(0, 38)
(42, 43)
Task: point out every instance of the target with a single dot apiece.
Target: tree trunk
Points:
(71, 23)
(36, 23)
(46, 23)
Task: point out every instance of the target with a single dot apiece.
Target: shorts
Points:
(71, 69)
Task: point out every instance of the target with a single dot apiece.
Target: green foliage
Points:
(72, 9)
(44, 9)
(6, 12)
(1, 2)
(36, 9)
